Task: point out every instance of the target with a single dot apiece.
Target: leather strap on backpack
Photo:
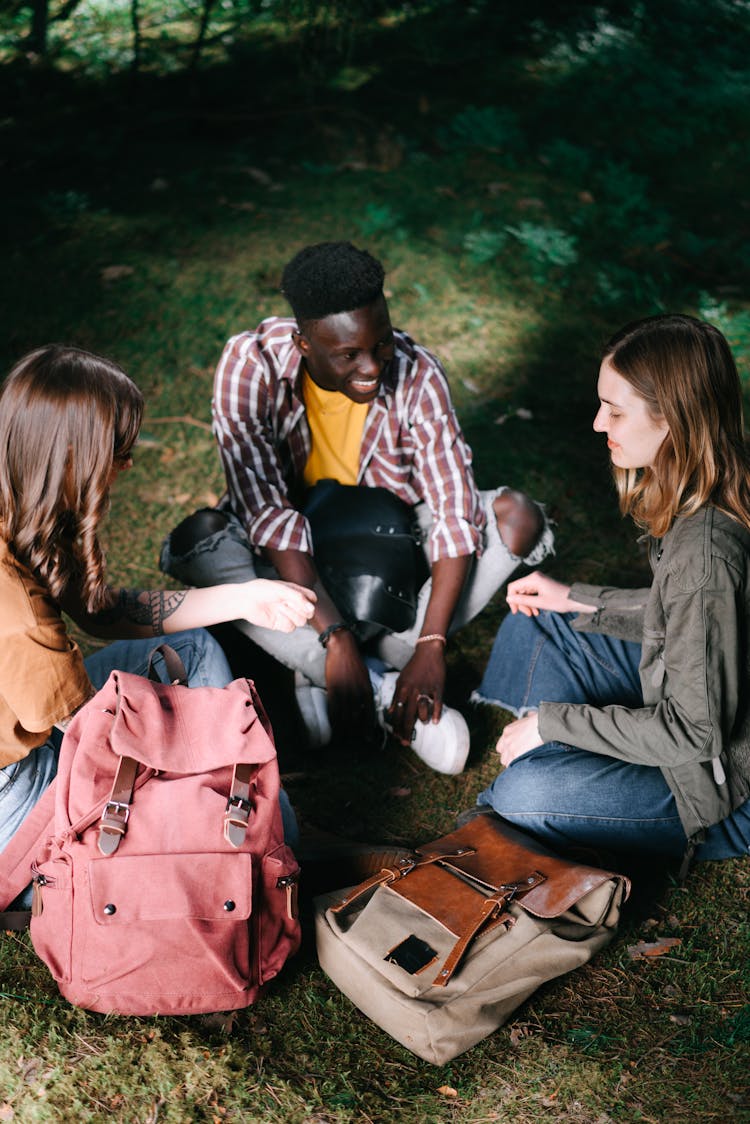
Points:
(239, 805)
(390, 874)
(114, 821)
(489, 909)
(172, 662)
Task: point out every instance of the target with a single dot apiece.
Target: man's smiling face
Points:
(349, 351)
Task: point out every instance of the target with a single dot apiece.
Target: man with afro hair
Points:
(334, 392)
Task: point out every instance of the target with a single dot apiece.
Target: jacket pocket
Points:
(653, 665)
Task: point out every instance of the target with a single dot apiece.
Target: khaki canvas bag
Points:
(440, 949)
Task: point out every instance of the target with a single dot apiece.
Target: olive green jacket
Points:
(694, 626)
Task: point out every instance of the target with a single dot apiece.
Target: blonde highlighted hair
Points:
(67, 418)
(684, 371)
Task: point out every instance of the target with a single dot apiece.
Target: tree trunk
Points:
(202, 31)
(135, 21)
(39, 23)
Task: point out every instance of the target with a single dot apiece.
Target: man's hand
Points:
(519, 737)
(419, 691)
(536, 591)
(351, 709)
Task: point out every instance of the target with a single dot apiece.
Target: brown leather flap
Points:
(499, 855)
(453, 902)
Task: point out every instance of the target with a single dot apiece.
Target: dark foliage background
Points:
(532, 176)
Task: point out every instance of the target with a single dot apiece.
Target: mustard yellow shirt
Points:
(336, 426)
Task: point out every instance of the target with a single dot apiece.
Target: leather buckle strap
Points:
(114, 820)
(390, 874)
(384, 877)
(490, 907)
(239, 804)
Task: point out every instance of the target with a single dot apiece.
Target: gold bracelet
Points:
(432, 636)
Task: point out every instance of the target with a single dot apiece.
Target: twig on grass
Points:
(187, 419)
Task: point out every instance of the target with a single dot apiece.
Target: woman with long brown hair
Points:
(68, 424)
(632, 707)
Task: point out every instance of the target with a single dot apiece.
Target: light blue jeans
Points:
(569, 796)
(23, 782)
(227, 556)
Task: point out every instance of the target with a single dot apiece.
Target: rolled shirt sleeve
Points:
(261, 431)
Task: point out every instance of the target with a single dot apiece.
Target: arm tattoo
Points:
(144, 607)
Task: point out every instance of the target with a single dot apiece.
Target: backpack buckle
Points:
(113, 826)
(236, 817)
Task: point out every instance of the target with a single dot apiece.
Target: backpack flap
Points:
(492, 854)
(184, 717)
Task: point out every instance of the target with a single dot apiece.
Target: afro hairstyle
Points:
(331, 277)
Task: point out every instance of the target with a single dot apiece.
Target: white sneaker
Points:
(443, 745)
(313, 707)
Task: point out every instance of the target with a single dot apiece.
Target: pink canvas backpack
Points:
(161, 882)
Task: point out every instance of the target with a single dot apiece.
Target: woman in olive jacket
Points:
(632, 707)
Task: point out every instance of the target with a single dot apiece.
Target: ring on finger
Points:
(399, 706)
(426, 698)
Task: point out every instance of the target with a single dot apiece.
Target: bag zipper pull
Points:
(37, 903)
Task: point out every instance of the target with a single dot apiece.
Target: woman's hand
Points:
(536, 591)
(283, 606)
(519, 737)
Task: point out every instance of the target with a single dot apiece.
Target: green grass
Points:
(631, 156)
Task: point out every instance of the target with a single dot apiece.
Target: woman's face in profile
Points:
(633, 435)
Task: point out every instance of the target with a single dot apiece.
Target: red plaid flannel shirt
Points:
(412, 443)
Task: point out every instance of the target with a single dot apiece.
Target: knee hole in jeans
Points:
(196, 527)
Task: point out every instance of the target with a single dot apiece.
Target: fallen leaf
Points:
(259, 176)
(652, 948)
(6, 1111)
(115, 272)
(448, 1091)
(521, 412)
(223, 1021)
(681, 1020)
(399, 791)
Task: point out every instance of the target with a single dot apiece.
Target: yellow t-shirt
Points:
(336, 425)
(42, 675)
